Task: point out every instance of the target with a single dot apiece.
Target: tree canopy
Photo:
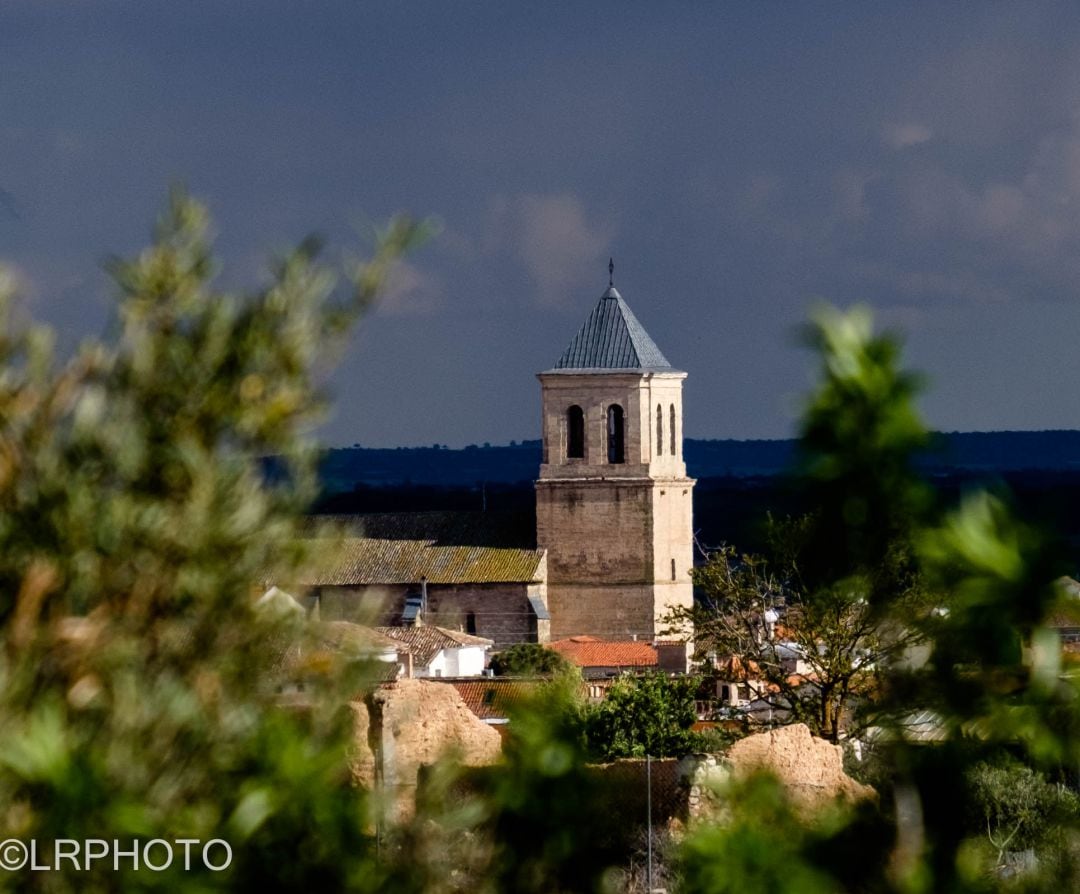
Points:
(529, 660)
(138, 698)
(645, 714)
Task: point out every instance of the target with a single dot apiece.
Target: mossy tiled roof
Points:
(443, 547)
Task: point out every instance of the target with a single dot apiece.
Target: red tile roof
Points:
(588, 651)
(490, 699)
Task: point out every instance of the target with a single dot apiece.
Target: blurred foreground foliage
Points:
(137, 695)
(967, 593)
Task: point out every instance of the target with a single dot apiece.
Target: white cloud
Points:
(903, 136)
(410, 292)
(551, 236)
(560, 247)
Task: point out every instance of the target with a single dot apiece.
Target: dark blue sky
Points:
(739, 160)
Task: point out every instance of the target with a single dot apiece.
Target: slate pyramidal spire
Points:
(612, 339)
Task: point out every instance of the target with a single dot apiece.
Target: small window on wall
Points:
(674, 451)
(673, 569)
(659, 430)
(616, 446)
(470, 618)
(575, 433)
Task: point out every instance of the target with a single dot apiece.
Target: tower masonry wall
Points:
(673, 545)
(618, 611)
(596, 531)
(648, 449)
(618, 535)
(610, 546)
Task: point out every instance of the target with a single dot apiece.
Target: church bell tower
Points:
(613, 502)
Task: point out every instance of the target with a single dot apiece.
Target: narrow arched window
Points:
(575, 432)
(659, 430)
(674, 443)
(470, 622)
(673, 569)
(616, 449)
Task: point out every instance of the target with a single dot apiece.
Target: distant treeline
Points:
(739, 482)
(345, 468)
(728, 509)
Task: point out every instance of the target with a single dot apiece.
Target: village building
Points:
(493, 700)
(613, 501)
(599, 659)
(299, 663)
(438, 652)
(611, 550)
(472, 572)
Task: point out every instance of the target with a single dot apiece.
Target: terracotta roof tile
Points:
(491, 699)
(735, 669)
(588, 651)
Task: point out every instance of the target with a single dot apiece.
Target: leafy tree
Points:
(859, 431)
(1016, 806)
(841, 586)
(137, 697)
(765, 847)
(992, 677)
(529, 660)
(812, 657)
(647, 714)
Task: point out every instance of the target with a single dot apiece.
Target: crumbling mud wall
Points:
(810, 769)
(409, 725)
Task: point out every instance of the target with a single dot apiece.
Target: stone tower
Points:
(613, 503)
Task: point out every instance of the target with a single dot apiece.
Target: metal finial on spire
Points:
(610, 272)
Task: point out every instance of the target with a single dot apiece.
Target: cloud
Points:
(903, 136)
(410, 292)
(560, 247)
(907, 288)
(549, 235)
(1012, 233)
